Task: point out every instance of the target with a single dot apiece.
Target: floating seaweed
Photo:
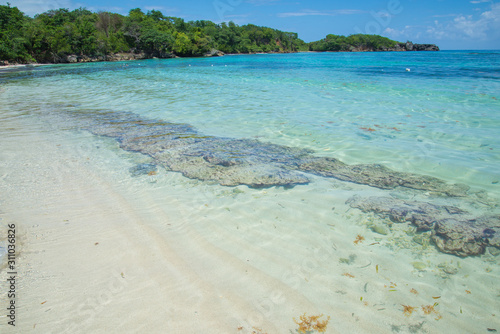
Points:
(429, 309)
(368, 129)
(408, 310)
(391, 286)
(310, 323)
(359, 239)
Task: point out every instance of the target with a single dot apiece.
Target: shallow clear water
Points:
(441, 118)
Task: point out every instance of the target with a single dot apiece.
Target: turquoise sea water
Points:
(433, 114)
(440, 118)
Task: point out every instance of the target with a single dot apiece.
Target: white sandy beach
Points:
(103, 252)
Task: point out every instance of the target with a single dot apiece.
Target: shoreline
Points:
(128, 56)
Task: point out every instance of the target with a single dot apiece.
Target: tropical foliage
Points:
(50, 36)
(54, 35)
(358, 41)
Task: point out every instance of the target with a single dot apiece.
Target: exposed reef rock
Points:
(425, 47)
(454, 231)
(232, 162)
(409, 46)
(111, 57)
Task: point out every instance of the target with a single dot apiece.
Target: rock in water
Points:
(453, 230)
(467, 236)
(379, 176)
(231, 162)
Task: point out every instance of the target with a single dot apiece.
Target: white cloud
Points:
(465, 29)
(309, 12)
(466, 26)
(392, 33)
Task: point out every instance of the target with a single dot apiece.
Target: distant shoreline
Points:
(81, 36)
(75, 59)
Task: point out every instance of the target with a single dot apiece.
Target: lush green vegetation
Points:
(357, 42)
(54, 35)
(51, 36)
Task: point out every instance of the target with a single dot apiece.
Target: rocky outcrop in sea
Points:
(409, 46)
(454, 230)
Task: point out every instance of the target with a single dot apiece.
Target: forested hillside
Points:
(81, 35)
(53, 35)
(343, 43)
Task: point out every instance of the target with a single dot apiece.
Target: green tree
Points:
(13, 44)
(51, 36)
(182, 45)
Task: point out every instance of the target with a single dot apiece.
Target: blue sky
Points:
(451, 24)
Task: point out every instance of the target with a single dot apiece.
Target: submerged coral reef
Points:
(231, 162)
(454, 230)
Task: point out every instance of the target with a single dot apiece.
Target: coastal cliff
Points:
(408, 46)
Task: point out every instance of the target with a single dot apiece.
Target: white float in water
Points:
(408, 70)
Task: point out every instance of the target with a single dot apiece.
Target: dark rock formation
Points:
(454, 231)
(425, 47)
(468, 235)
(379, 176)
(111, 57)
(409, 46)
